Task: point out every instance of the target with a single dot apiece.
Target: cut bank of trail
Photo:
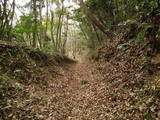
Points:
(44, 87)
(122, 85)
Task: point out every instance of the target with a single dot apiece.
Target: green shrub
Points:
(48, 48)
(4, 81)
(83, 82)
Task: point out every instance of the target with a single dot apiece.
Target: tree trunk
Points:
(52, 21)
(60, 33)
(65, 37)
(57, 34)
(84, 34)
(4, 19)
(95, 21)
(35, 23)
(97, 35)
(11, 20)
(47, 5)
(59, 28)
(41, 36)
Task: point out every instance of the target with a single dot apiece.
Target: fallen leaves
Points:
(117, 87)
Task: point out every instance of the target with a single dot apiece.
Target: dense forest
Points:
(49, 25)
(79, 59)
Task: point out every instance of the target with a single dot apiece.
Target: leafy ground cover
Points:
(121, 83)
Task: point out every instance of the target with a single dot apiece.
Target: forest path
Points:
(78, 78)
(78, 75)
(75, 95)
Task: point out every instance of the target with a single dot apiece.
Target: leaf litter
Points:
(118, 85)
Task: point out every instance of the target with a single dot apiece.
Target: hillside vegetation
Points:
(80, 60)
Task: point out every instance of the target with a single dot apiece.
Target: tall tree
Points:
(65, 36)
(95, 21)
(47, 18)
(41, 34)
(58, 34)
(7, 11)
(35, 23)
(52, 25)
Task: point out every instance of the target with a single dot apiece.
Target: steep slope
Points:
(122, 83)
(130, 69)
(23, 73)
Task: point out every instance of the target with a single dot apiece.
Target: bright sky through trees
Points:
(80, 59)
(21, 3)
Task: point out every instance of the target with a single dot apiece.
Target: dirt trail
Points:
(72, 96)
(79, 74)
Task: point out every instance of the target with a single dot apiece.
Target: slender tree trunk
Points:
(11, 21)
(84, 34)
(35, 24)
(65, 37)
(60, 33)
(47, 5)
(57, 34)
(95, 21)
(52, 23)
(3, 19)
(97, 35)
(59, 27)
(41, 40)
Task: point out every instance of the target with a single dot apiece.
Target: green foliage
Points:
(131, 21)
(84, 82)
(48, 48)
(25, 25)
(143, 31)
(113, 12)
(23, 28)
(158, 36)
(20, 41)
(4, 81)
(148, 116)
(153, 4)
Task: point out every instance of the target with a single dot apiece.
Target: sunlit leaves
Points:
(25, 25)
(130, 21)
(153, 4)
